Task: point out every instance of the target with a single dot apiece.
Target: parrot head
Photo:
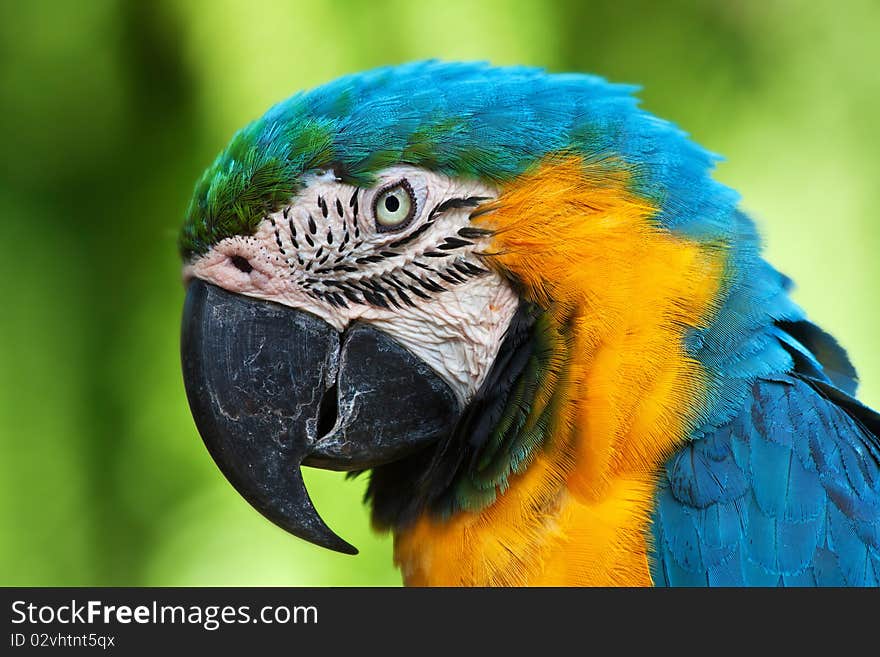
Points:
(391, 272)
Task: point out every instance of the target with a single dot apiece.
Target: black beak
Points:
(272, 388)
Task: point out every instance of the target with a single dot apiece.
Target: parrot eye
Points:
(394, 207)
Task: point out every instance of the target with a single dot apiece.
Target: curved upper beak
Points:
(272, 388)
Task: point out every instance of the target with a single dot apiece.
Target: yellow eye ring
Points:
(394, 207)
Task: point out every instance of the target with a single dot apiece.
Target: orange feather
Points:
(579, 243)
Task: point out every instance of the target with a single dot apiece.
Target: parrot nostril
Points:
(241, 264)
(328, 412)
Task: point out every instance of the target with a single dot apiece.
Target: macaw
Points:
(524, 306)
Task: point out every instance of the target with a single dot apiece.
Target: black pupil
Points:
(241, 264)
(392, 203)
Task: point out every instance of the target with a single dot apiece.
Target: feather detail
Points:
(808, 514)
(617, 396)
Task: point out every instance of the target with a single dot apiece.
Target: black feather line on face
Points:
(386, 293)
(455, 204)
(431, 286)
(475, 270)
(460, 265)
(409, 238)
(449, 278)
(390, 296)
(453, 243)
(417, 292)
(454, 275)
(472, 233)
(391, 279)
(405, 298)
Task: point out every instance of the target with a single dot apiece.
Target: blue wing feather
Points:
(785, 493)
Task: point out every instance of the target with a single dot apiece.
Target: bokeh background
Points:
(110, 110)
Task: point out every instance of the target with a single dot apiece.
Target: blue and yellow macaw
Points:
(524, 306)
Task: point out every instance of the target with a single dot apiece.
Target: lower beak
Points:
(272, 388)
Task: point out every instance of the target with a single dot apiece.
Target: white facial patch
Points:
(400, 256)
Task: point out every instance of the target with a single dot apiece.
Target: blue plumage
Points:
(463, 119)
(785, 494)
(780, 482)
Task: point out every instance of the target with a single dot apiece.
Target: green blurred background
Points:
(109, 112)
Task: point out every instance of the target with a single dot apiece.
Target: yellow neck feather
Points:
(585, 249)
